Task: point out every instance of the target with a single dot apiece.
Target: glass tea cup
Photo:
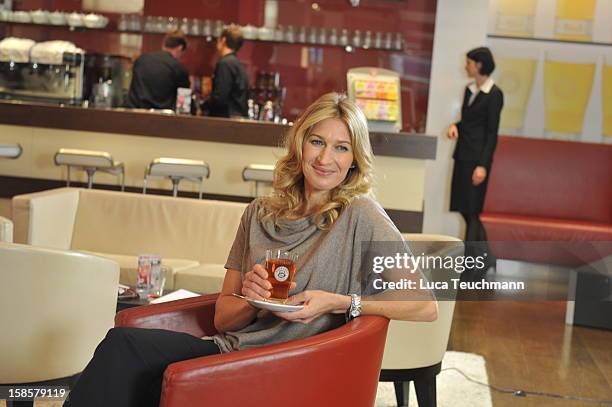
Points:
(281, 268)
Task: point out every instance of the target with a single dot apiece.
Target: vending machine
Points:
(377, 92)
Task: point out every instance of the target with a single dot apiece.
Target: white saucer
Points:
(271, 305)
(274, 306)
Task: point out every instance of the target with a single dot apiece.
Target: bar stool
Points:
(90, 162)
(177, 169)
(260, 173)
(10, 150)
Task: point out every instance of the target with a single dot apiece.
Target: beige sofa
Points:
(192, 236)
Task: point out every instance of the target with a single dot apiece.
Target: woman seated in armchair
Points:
(322, 211)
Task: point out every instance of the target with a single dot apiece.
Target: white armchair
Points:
(414, 350)
(55, 307)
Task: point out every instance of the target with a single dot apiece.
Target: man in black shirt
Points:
(230, 82)
(157, 75)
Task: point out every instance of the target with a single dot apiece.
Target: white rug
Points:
(454, 390)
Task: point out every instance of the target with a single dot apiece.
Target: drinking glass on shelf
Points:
(149, 24)
(399, 41)
(344, 37)
(367, 40)
(357, 39)
(122, 23)
(207, 28)
(195, 27)
(333, 37)
(378, 41)
(135, 22)
(322, 36)
(279, 33)
(290, 34)
(218, 28)
(171, 24)
(388, 41)
(302, 35)
(312, 38)
(184, 26)
(160, 24)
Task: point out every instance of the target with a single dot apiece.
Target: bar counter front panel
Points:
(42, 130)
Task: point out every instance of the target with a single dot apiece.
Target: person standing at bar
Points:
(476, 135)
(228, 97)
(157, 75)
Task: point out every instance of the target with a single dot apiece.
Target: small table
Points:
(135, 302)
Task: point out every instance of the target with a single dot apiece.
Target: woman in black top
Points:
(476, 136)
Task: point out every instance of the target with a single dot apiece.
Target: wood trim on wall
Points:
(406, 221)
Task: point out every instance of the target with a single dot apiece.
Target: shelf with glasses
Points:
(313, 36)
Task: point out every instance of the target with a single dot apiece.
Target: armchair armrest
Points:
(338, 367)
(194, 316)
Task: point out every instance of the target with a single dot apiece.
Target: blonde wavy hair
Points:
(288, 197)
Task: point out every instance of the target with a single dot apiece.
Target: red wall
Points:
(306, 73)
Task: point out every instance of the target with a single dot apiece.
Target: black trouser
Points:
(474, 231)
(476, 242)
(128, 367)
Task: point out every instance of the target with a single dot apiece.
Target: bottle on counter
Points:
(253, 109)
(267, 113)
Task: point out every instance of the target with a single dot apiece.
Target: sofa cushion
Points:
(178, 228)
(545, 240)
(205, 278)
(129, 268)
(502, 226)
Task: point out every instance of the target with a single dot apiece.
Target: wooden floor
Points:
(527, 346)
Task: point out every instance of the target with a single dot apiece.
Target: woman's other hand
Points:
(316, 303)
(452, 132)
(479, 175)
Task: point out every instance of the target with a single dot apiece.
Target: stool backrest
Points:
(10, 150)
(258, 173)
(178, 167)
(88, 158)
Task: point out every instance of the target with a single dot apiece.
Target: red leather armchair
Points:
(337, 368)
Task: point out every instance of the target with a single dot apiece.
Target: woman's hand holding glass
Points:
(256, 285)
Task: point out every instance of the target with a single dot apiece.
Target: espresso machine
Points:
(107, 80)
(53, 83)
(97, 80)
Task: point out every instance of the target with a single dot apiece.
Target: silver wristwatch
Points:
(355, 309)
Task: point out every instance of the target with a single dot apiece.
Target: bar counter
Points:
(227, 145)
(152, 124)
